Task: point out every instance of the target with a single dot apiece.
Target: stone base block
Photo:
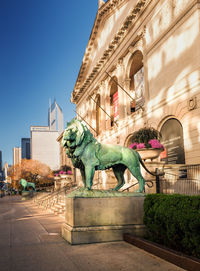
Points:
(92, 220)
(26, 195)
(87, 235)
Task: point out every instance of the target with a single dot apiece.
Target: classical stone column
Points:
(89, 111)
(93, 114)
(127, 98)
(107, 105)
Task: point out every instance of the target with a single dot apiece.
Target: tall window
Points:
(114, 101)
(137, 81)
(98, 114)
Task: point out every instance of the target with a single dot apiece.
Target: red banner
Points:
(116, 105)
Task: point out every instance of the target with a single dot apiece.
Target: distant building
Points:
(6, 177)
(16, 155)
(0, 160)
(25, 146)
(44, 144)
(1, 171)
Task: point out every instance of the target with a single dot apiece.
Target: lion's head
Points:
(74, 134)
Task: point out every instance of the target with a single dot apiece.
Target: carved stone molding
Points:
(131, 49)
(192, 103)
(127, 83)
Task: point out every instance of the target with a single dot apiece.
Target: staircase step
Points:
(53, 201)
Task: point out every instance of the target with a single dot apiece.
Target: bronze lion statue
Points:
(89, 155)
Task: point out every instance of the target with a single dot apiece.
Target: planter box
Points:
(177, 258)
(149, 153)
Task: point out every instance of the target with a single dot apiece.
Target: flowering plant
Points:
(153, 143)
(146, 138)
(63, 173)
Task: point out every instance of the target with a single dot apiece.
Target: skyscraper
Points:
(25, 146)
(55, 117)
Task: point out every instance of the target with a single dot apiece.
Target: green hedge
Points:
(174, 221)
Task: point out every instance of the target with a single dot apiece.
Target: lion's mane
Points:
(82, 139)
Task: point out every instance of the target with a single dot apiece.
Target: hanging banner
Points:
(116, 105)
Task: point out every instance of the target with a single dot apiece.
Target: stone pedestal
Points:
(91, 220)
(26, 195)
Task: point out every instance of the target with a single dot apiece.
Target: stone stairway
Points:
(54, 201)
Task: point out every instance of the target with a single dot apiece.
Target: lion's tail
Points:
(152, 173)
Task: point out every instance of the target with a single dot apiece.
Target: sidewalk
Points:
(30, 240)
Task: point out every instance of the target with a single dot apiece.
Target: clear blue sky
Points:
(42, 43)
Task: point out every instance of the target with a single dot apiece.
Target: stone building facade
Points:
(64, 160)
(141, 68)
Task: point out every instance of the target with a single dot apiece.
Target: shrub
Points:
(174, 221)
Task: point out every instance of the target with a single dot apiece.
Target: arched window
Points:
(98, 114)
(136, 76)
(172, 139)
(114, 101)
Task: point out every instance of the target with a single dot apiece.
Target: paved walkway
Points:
(30, 240)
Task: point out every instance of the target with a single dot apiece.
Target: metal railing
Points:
(178, 179)
(54, 197)
(127, 189)
(181, 179)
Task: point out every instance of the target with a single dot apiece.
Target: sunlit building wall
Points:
(141, 65)
(64, 159)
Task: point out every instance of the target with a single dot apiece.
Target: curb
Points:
(179, 259)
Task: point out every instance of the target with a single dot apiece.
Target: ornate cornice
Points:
(103, 10)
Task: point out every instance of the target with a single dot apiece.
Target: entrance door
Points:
(172, 139)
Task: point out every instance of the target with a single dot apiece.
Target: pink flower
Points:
(141, 146)
(69, 172)
(133, 145)
(56, 175)
(156, 144)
